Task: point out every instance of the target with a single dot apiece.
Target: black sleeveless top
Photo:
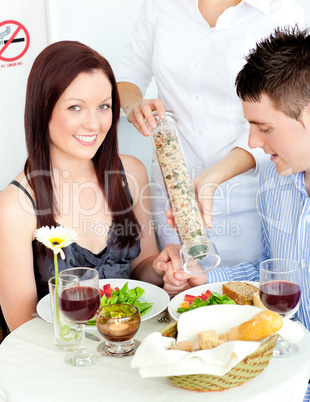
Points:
(112, 262)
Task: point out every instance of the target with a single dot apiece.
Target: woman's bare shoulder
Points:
(133, 165)
(15, 206)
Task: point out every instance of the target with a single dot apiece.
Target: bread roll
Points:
(187, 346)
(207, 340)
(263, 324)
(257, 301)
(240, 292)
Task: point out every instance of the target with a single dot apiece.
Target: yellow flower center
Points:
(56, 242)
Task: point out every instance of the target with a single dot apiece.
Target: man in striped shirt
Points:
(274, 87)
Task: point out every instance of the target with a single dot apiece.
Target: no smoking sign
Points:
(14, 40)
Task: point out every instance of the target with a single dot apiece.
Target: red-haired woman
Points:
(73, 177)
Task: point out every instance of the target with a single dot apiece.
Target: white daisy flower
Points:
(56, 238)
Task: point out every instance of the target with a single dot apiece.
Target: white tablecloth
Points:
(31, 370)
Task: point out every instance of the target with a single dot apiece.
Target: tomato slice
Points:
(189, 298)
(204, 296)
(107, 290)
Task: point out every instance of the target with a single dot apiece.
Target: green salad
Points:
(123, 295)
(205, 299)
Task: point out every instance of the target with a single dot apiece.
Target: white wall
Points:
(305, 4)
(104, 25)
(13, 76)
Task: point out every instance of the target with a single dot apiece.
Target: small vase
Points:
(65, 332)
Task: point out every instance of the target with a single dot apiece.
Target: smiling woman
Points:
(78, 127)
(73, 177)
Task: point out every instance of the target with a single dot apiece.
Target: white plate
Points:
(196, 291)
(152, 294)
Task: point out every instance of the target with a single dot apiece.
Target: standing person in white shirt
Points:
(194, 50)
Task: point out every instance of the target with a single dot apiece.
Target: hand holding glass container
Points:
(198, 252)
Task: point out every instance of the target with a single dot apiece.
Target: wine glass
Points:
(79, 303)
(279, 289)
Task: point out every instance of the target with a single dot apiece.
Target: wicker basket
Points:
(248, 368)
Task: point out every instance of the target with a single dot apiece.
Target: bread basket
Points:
(244, 371)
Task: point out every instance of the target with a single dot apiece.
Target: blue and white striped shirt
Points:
(284, 208)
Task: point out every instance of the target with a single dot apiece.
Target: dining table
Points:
(33, 370)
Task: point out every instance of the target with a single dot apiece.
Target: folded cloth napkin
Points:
(155, 360)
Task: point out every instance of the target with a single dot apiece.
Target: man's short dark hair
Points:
(279, 67)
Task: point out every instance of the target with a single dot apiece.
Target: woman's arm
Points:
(18, 294)
(237, 161)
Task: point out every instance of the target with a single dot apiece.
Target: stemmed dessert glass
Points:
(79, 303)
(279, 289)
(118, 324)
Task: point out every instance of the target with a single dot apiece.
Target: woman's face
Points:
(81, 118)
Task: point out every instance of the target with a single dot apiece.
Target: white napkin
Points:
(154, 360)
(292, 331)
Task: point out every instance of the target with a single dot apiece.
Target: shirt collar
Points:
(299, 181)
(262, 5)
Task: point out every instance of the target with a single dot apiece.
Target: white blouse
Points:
(195, 67)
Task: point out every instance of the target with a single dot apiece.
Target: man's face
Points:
(285, 139)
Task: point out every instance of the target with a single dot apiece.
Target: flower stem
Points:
(56, 268)
(65, 330)
(56, 290)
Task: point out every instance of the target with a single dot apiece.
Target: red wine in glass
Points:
(280, 296)
(80, 303)
(280, 291)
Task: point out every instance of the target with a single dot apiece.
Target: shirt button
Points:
(200, 132)
(203, 165)
(197, 97)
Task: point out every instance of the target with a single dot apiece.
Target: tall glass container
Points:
(190, 226)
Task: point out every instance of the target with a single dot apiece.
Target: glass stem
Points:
(282, 344)
(82, 349)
